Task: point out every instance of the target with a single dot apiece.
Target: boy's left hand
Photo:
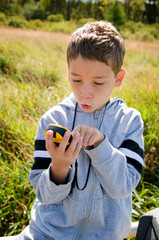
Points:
(91, 135)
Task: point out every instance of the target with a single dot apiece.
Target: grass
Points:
(33, 78)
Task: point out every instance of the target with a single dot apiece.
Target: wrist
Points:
(58, 175)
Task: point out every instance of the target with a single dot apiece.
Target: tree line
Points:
(118, 12)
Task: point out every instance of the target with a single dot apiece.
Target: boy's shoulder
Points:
(119, 104)
(119, 108)
(68, 102)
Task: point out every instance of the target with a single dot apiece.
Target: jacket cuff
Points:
(103, 153)
(52, 186)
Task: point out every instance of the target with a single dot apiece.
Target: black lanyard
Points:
(75, 181)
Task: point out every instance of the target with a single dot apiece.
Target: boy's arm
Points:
(119, 170)
(46, 190)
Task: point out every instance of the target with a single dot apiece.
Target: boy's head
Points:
(99, 41)
(95, 56)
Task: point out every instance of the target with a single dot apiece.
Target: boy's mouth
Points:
(85, 106)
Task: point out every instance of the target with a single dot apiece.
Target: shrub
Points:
(18, 22)
(82, 21)
(35, 24)
(33, 11)
(139, 25)
(2, 17)
(154, 30)
(55, 18)
(144, 36)
(131, 26)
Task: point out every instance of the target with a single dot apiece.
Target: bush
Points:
(154, 30)
(18, 22)
(82, 21)
(55, 18)
(33, 11)
(144, 36)
(131, 26)
(2, 17)
(35, 24)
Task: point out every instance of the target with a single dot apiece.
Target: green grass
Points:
(33, 78)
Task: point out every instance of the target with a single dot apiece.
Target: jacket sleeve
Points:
(119, 169)
(47, 192)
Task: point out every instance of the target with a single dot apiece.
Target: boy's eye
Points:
(98, 83)
(76, 80)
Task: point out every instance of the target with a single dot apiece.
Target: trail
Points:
(9, 33)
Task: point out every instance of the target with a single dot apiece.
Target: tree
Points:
(137, 10)
(79, 11)
(33, 11)
(115, 14)
(151, 11)
(54, 6)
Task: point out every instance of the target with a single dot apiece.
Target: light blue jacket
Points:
(103, 209)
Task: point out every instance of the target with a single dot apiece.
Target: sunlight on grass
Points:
(33, 78)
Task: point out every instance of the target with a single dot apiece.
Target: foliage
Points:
(115, 14)
(18, 22)
(2, 17)
(140, 31)
(117, 11)
(55, 18)
(33, 11)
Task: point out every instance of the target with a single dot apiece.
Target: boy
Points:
(85, 191)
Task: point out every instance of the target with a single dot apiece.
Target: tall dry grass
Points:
(33, 78)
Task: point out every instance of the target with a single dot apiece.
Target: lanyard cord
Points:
(75, 181)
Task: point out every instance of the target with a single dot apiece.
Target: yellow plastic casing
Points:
(58, 133)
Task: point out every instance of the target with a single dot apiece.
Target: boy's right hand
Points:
(62, 158)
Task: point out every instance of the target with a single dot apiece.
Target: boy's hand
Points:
(62, 158)
(91, 135)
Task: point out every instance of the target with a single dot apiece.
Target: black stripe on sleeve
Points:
(39, 145)
(133, 146)
(41, 163)
(137, 165)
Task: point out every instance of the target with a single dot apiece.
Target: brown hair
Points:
(98, 40)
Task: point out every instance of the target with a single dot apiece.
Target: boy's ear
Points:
(119, 78)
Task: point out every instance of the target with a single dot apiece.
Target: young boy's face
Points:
(92, 82)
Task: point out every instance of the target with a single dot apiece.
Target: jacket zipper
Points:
(95, 119)
(90, 197)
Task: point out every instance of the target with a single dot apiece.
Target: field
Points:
(33, 78)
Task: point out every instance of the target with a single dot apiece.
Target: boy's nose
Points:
(85, 91)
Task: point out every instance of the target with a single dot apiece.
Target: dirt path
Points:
(8, 33)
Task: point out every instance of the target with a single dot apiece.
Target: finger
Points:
(96, 139)
(50, 145)
(78, 148)
(48, 138)
(92, 140)
(63, 144)
(73, 143)
(76, 129)
(86, 139)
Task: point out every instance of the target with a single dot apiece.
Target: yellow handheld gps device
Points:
(58, 133)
